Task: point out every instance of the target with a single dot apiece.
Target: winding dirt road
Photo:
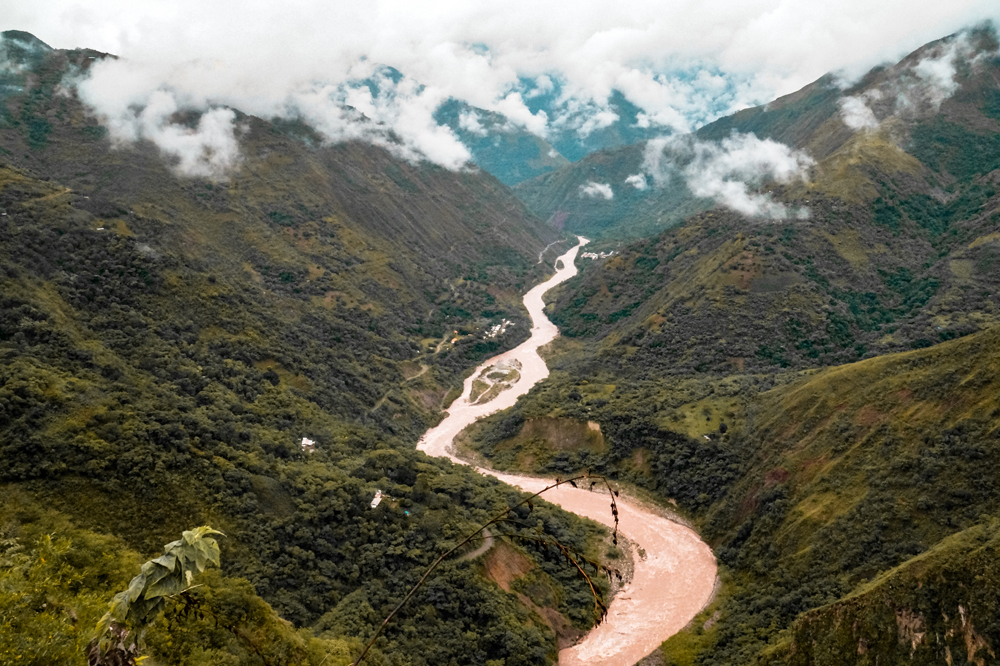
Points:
(676, 578)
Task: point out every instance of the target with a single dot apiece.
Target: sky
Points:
(683, 62)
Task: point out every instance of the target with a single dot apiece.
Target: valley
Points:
(673, 578)
(344, 322)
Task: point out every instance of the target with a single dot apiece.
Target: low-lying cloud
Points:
(681, 64)
(918, 88)
(209, 149)
(638, 181)
(727, 171)
(856, 114)
(596, 190)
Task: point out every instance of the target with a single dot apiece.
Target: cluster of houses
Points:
(498, 329)
(598, 255)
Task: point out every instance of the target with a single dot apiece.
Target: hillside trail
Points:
(674, 580)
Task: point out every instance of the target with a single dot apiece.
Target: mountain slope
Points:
(851, 508)
(898, 251)
(167, 342)
(900, 98)
(817, 395)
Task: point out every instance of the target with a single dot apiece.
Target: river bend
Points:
(675, 579)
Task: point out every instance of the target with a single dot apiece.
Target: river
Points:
(676, 577)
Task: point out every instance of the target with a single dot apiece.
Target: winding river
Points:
(676, 577)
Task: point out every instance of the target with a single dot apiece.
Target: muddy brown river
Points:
(675, 579)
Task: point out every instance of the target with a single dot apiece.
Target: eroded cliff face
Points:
(942, 605)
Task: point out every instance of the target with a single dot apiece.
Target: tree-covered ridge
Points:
(167, 343)
(903, 258)
(141, 396)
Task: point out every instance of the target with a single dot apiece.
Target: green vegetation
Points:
(818, 397)
(56, 580)
(166, 345)
(121, 633)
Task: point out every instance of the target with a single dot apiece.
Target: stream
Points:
(674, 580)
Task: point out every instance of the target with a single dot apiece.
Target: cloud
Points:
(469, 121)
(518, 113)
(543, 86)
(209, 149)
(638, 181)
(595, 190)
(395, 112)
(683, 64)
(936, 72)
(658, 158)
(915, 88)
(727, 170)
(856, 114)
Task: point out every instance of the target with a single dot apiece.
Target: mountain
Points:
(897, 252)
(897, 108)
(815, 393)
(514, 154)
(167, 343)
(509, 153)
(591, 197)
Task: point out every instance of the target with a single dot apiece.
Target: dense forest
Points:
(817, 396)
(167, 343)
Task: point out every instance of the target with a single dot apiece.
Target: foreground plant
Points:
(121, 631)
(579, 561)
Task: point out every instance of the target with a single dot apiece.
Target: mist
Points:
(729, 170)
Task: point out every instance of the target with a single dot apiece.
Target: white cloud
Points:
(518, 113)
(682, 63)
(596, 121)
(856, 114)
(469, 121)
(209, 150)
(543, 86)
(595, 190)
(658, 157)
(937, 71)
(727, 170)
(638, 181)
(913, 88)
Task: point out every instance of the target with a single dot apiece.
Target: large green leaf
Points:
(136, 586)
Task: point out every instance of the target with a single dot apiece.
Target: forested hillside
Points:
(946, 129)
(898, 250)
(167, 342)
(817, 394)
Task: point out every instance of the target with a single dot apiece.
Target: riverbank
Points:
(674, 580)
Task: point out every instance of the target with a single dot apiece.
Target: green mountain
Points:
(898, 252)
(168, 341)
(514, 155)
(509, 153)
(915, 114)
(816, 395)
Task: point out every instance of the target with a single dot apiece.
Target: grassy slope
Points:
(853, 471)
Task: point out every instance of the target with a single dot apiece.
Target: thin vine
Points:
(573, 557)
